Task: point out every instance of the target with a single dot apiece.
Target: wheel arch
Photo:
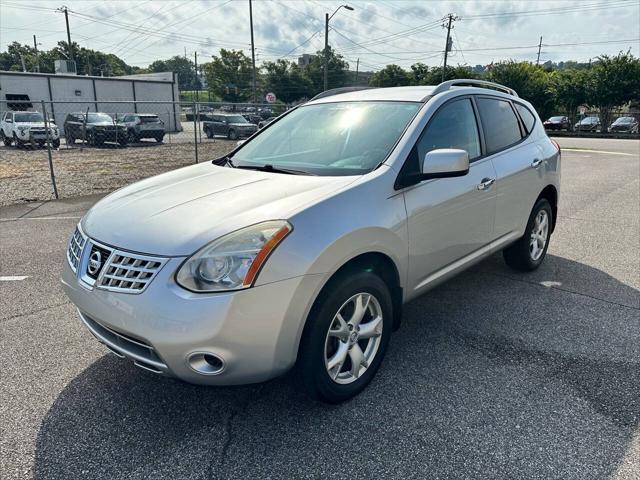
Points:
(551, 194)
(379, 263)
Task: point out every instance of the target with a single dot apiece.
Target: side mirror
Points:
(445, 162)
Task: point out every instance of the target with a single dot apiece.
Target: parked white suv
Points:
(23, 128)
(301, 246)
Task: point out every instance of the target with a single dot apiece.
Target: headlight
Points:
(233, 261)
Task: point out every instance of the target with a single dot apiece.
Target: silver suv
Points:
(301, 246)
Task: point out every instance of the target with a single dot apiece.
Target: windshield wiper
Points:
(271, 168)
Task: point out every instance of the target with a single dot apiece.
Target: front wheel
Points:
(346, 337)
(529, 252)
(6, 140)
(233, 135)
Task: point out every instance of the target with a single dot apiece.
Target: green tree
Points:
(569, 89)
(532, 83)
(229, 76)
(286, 80)
(418, 74)
(183, 67)
(390, 76)
(434, 75)
(613, 82)
(338, 75)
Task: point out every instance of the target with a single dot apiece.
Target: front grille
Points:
(124, 344)
(128, 272)
(74, 251)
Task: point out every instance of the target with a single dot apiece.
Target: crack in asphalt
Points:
(608, 386)
(555, 287)
(228, 430)
(37, 310)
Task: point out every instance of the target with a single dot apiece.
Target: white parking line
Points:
(596, 151)
(14, 278)
(13, 219)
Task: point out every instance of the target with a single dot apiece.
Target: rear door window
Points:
(500, 124)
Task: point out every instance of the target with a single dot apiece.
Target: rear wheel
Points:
(132, 137)
(529, 252)
(56, 143)
(208, 132)
(346, 337)
(159, 138)
(70, 140)
(233, 135)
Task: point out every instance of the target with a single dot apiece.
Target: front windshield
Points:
(29, 117)
(236, 119)
(348, 138)
(98, 117)
(624, 120)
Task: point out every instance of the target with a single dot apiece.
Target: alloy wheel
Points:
(539, 235)
(353, 338)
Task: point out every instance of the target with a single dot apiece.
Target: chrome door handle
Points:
(486, 183)
(536, 163)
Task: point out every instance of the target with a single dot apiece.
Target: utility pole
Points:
(355, 82)
(253, 52)
(447, 45)
(539, 48)
(185, 53)
(65, 10)
(326, 51)
(35, 46)
(195, 58)
(328, 17)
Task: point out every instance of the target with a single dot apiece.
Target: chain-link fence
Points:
(63, 149)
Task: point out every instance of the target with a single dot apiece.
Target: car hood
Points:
(176, 213)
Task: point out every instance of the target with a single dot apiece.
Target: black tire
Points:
(40, 144)
(18, 143)
(159, 138)
(6, 140)
(132, 137)
(55, 143)
(519, 255)
(232, 135)
(208, 132)
(70, 140)
(311, 369)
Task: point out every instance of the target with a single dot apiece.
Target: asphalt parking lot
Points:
(494, 374)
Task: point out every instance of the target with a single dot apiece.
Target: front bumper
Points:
(254, 331)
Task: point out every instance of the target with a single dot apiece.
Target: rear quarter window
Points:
(499, 122)
(527, 117)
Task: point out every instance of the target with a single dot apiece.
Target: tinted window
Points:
(499, 122)
(453, 126)
(528, 119)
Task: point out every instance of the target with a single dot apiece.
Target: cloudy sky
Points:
(377, 32)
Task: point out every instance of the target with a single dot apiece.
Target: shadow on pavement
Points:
(491, 375)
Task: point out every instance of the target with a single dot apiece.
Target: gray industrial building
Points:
(73, 93)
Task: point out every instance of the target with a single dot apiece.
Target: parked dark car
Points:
(232, 126)
(252, 118)
(624, 124)
(587, 124)
(265, 122)
(557, 123)
(94, 128)
(143, 125)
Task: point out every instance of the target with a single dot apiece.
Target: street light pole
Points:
(328, 17)
(253, 53)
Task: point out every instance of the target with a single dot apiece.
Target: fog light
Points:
(206, 363)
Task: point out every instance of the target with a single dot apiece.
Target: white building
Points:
(144, 93)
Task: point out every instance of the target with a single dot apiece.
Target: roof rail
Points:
(337, 91)
(444, 86)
